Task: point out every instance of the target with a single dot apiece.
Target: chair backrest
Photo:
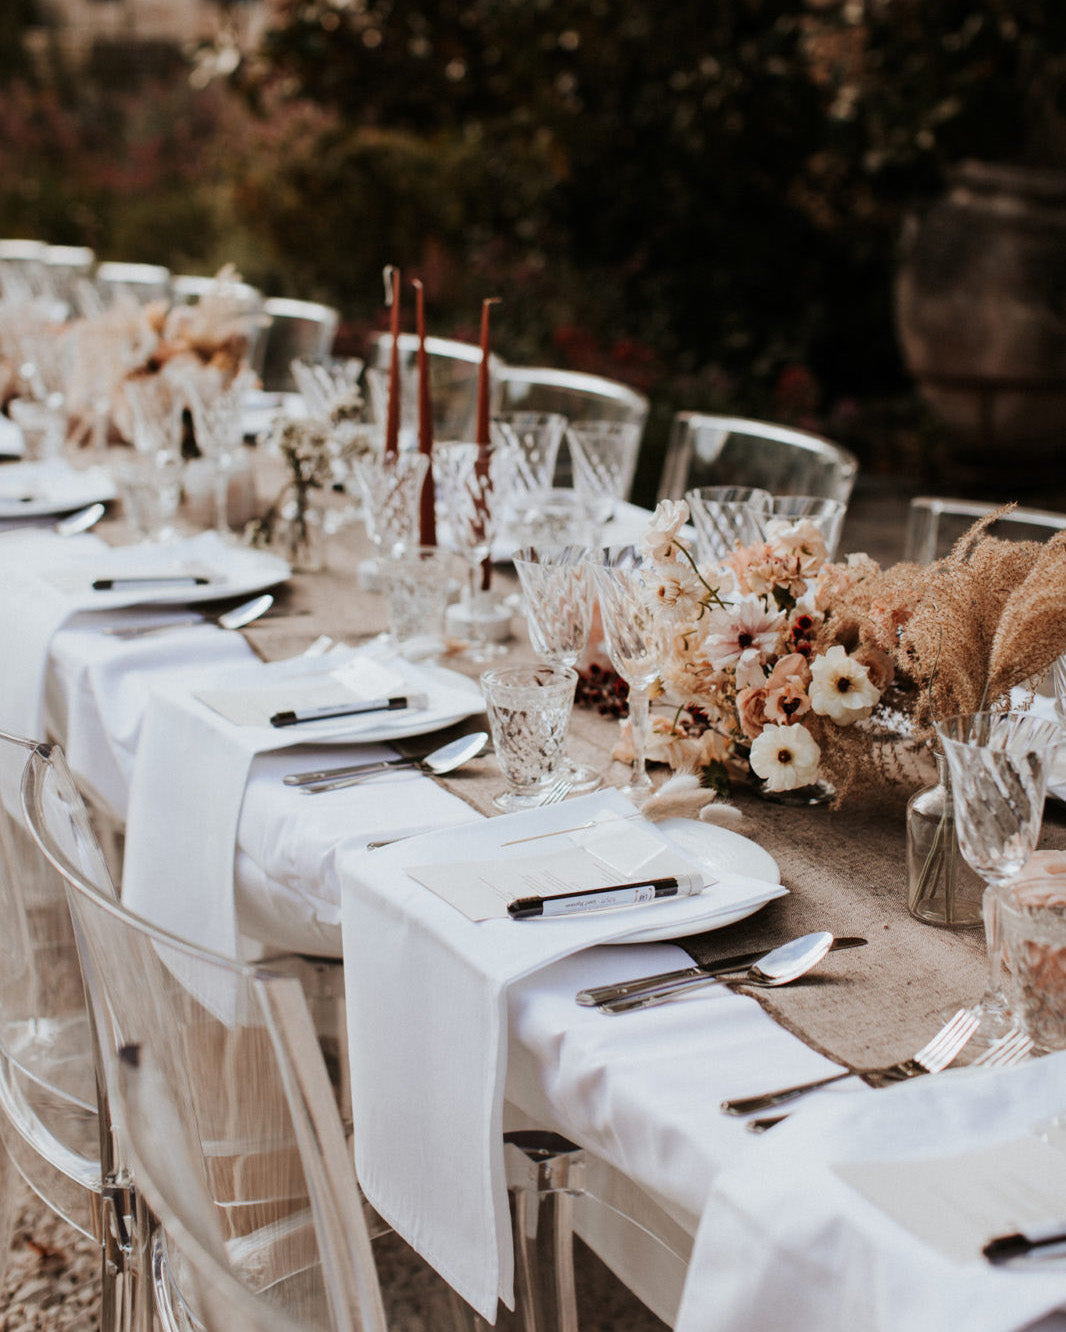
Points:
(64, 266)
(187, 289)
(234, 1138)
(707, 450)
(454, 371)
(296, 329)
(572, 393)
(145, 283)
(22, 269)
(53, 1113)
(934, 525)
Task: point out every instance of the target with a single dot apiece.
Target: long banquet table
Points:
(768, 1231)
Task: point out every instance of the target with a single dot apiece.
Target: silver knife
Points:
(740, 962)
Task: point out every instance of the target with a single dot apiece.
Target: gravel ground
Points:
(51, 1284)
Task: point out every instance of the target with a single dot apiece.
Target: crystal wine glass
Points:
(999, 764)
(155, 406)
(472, 481)
(557, 597)
(392, 488)
(604, 454)
(534, 439)
(623, 580)
(726, 517)
(217, 407)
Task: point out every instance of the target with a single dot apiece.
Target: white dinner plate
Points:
(43, 489)
(230, 570)
(721, 852)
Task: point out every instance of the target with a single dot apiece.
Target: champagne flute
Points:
(623, 580)
(999, 763)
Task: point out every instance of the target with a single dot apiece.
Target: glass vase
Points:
(299, 536)
(942, 889)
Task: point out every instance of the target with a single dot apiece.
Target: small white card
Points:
(957, 1204)
(482, 889)
(358, 680)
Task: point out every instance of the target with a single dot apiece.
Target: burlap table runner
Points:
(845, 869)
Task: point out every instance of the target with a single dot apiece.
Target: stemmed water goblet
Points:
(557, 597)
(999, 763)
(472, 481)
(623, 580)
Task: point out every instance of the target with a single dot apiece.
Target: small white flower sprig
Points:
(752, 664)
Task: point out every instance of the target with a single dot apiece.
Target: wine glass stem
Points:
(993, 992)
(222, 495)
(638, 726)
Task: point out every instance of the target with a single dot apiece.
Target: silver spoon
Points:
(446, 759)
(778, 967)
(236, 618)
(80, 521)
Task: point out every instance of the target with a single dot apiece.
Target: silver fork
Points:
(558, 790)
(1005, 1052)
(931, 1058)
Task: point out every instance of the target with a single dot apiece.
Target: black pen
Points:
(150, 580)
(600, 899)
(331, 710)
(1043, 1242)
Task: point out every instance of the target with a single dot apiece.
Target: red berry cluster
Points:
(604, 690)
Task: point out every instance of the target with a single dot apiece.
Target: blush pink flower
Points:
(732, 631)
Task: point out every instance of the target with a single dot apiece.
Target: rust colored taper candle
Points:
(483, 435)
(392, 415)
(427, 518)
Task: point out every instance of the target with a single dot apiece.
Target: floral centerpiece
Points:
(785, 666)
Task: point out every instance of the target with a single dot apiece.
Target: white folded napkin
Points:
(784, 1239)
(33, 608)
(190, 774)
(427, 998)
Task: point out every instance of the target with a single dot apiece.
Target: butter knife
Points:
(739, 962)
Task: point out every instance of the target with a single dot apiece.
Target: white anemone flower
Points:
(785, 757)
(841, 688)
(660, 540)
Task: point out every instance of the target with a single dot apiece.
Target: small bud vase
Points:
(942, 889)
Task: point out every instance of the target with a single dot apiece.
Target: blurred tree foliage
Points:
(701, 198)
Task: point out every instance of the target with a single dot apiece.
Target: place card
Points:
(956, 1204)
(482, 889)
(357, 680)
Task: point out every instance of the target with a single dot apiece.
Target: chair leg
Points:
(544, 1173)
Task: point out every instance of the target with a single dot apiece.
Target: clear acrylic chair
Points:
(707, 450)
(296, 329)
(226, 1114)
(144, 283)
(236, 1132)
(934, 525)
(54, 1117)
(454, 372)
